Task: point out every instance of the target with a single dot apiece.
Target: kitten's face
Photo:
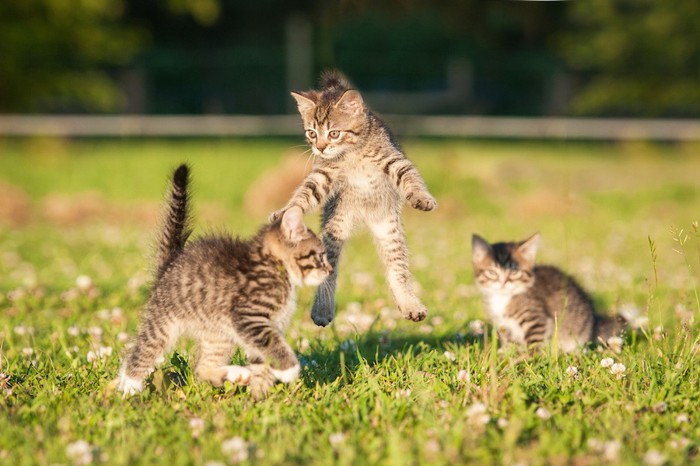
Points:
(310, 265)
(504, 268)
(332, 123)
(300, 250)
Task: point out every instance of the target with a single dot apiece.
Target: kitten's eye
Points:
(516, 275)
(311, 134)
(335, 134)
(491, 274)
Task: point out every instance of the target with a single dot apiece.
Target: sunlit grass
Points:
(374, 388)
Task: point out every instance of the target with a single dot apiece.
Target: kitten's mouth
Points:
(315, 278)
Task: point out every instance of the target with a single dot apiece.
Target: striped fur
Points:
(529, 303)
(222, 292)
(175, 229)
(359, 176)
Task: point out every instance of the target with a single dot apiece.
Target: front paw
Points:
(261, 381)
(422, 201)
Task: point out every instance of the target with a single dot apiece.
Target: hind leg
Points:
(391, 245)
(212, 365)
(336, 230)
(155, 338)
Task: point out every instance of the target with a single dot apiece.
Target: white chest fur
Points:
(497, 303)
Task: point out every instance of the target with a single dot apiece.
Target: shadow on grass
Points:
(326, 364)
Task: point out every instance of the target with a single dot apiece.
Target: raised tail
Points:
(175, 229)
(334, 79)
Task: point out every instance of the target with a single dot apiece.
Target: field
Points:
(77, 221)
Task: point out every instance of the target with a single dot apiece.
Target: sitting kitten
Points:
(223, 291)
(526, 301)
(360, 175)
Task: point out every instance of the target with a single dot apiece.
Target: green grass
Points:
(374, 389)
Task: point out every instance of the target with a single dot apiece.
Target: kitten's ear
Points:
(528, 249)
(351, 102)
(306, 101)
(481, 251)
(292, 225)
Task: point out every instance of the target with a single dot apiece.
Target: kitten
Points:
(525, 301)
(360, 175)
(223, 292)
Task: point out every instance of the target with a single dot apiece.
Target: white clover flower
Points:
(502, 423)
(432, 446)
(20, 330)
(658, 332)
(437, 321)
(336, 439)
(96, 333)
(450, 356)
(425, 328)
(73, 331)
(477, 414)
(235, 449)
(83, 282)
(682, 418)
(618, 370)
(615, 344)
(543, 413)
(572, 371)
(607, 362)
(101, 353)
(611, 450)
(654, 458)
(680, 443)
(476, 327)
(80, 453)
(196, 426)
(463, 376)
(403, 393)
(28, 351)
(122, 337)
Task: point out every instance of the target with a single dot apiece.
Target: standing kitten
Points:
(223, 292)
(525, 301)
(359, 175)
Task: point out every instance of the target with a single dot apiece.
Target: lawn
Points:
(77, 222)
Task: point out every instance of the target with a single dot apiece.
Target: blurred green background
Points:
(595, 57)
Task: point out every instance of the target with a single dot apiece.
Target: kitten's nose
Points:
(321, 145)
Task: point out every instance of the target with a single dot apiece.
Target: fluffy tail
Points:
(609, 326)
(334, 79)
(175, 229)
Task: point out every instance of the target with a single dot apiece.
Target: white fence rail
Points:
(404, 125)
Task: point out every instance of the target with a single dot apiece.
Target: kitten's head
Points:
(334, 117)
(504, 268)
(300, 250)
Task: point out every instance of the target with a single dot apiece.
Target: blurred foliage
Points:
(57, 54)
(642, 57)
(616, 57)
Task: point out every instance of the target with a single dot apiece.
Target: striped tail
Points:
(175, 229)
(334, 79)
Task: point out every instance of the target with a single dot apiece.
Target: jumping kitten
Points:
(359, 175)
(525, 300)
(223, 292)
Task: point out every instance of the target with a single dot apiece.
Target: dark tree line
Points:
(596, 57)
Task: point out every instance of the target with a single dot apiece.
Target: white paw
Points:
(129, 385)
(287, 375)
(238, 375)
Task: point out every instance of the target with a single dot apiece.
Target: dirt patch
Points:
(15, 206)
(272, 189)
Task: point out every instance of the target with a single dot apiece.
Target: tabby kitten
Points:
(223, 292)
(526, 301)
(360, 175)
